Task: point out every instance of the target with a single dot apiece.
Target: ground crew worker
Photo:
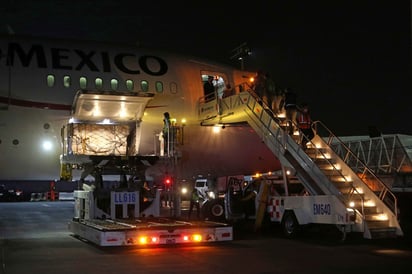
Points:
(289, 102)
(304, 122)
(194, 202)
(259, 85)
(249, 199)
(166, 132)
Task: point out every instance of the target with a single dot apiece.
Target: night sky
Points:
(349, 60)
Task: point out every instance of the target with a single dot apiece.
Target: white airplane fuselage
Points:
(39, 79)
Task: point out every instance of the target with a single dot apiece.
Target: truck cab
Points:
(212, 205)
(204, 188)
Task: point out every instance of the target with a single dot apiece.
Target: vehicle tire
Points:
(341, 234)
(290, 225)
(215, 210)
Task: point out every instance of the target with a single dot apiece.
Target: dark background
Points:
(350, 60)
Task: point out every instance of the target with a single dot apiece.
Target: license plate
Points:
(170, 241)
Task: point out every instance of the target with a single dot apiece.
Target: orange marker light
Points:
(197, 237)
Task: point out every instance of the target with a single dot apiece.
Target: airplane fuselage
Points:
(39, 81)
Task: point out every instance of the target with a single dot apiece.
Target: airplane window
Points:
(98, 83)
(66, 81)
(129, 84)
(50, 80)
(83, 82)
(159, 87)
(173, 87)
(115, 84)
(144, 85)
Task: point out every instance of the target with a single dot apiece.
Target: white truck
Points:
(285, 201)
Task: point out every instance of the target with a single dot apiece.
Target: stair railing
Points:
(362, 170)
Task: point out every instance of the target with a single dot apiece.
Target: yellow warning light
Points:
(197, 237)
(148, 240)
(143, 240)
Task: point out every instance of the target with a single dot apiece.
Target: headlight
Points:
(184, 190)
(211, 195)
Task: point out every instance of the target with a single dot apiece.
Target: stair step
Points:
(330, 172)
(343, 187)
(322, 162)
(368, 210)
(356, 197)
(296, 138)
(312, 151)
(338, 179)
(372, 224)
(383, 232)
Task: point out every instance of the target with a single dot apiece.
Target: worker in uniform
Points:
(289, 103)
(249, 199)
(194, 202)
(304, 122)
(166, 132)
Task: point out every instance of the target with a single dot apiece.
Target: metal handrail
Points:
(366, 174)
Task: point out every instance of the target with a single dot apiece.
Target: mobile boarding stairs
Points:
(319, 168)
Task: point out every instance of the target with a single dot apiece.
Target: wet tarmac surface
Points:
(34, 238)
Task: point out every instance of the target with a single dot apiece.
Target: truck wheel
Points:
(341, 234)
(290, 225)
(215, 211)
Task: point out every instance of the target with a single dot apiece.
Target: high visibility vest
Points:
(304, 120)
(195, 196)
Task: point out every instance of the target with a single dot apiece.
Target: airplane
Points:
(45, 82)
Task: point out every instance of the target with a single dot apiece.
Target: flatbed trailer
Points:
(149, 229)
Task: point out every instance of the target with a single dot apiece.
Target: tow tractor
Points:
(212, 205)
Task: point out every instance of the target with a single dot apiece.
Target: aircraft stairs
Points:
(319, 168)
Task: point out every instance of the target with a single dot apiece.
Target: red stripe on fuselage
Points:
(33, 104)
(42, 105)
